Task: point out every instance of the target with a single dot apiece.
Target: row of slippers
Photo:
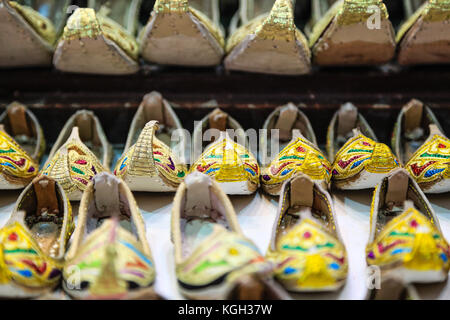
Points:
(153, 161)
(109, 256)
(306, 252)
(263, 37)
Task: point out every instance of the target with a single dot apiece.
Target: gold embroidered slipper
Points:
(267, 41)
(405, 240)
(351, 32)
(100, 39)
(73, 165)
(33, 241)
(232, 166)
(214, 261)
(306, 245)
(25, 128)
(90, 132)
(288, 120)
(150, 165)
(29, 32)
(341, 128)
(109, 256)
(412, 129)
(424, 36)
(430, 164)
(153, 161)
(17, 168)
(300, 155)
(184, 32)
(362, 163)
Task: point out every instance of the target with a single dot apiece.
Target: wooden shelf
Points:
(378, 92)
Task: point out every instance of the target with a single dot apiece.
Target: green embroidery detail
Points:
(93, 264)
(434, 155)
(436, 236)
(291, 158)
(8, 151)
(245, 156)
(208, 264)
(213, 156)
(288, 247)
(326, 245)
(181, 174)
(157, 160)
(401, 234)
(359, 150)
(74, 169)
(21, 251)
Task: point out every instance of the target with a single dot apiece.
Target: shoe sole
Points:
(238, 188)
(269, 56)
(140, 294)
(346, 44)
(426, 42)
(20, 45)
(395, 282)
(97, 55)
(327, 289)
(180, 39)
(147, 184)
(13, 183)
(363, 180)
(13, 291)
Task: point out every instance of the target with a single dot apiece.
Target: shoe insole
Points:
(124, 223)
(27, 143)
(387, 215)
(291, 219)
(96, 149)
(46, 234)
(411, 147)
(195, 232)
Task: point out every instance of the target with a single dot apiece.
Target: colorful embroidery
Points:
(309, 257)
(82, 163)
(299, 156)
(361, 153)
(228, 161)
(412, 239)
(150, 157)
(129, 260)
(431, 163)
(229, 255)
(15, 164)
(22, 260)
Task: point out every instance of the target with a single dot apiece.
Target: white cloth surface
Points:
(256, 215)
